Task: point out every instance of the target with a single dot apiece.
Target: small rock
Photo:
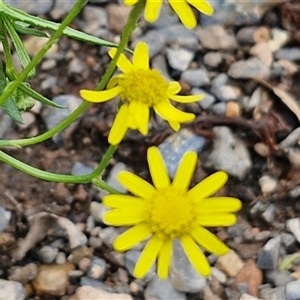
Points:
(208, 99)
(229, 153)
(88, 292)
(226, 92)
(79, 253)
(267, 184)
(218, 275)
(261, 34)
(12, 290)
(183, 275)
(5, 216)
(233, 110)
(268, 293)
(230, 263)
(246, 69)
(52, 279)
(77, 70)
(268, 256)
(173, 148)
(97, 210)
(97, 268)
(248, 297)
(108, 235)
(292, 54)
(213, 59)
(245, 35)
(195, 77)
(95, 20)
(269, 214)
(117, 16)
(279, 38)
(81, 169)
(293, 225)
(179, 59)
(215, 37)
(34, 44)
(47, 254)
(162, 290)
(61, 258)
(292, 290)
(251, 275)
(278, 278)
(23, 274)
(263, 51)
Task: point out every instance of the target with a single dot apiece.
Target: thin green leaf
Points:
(35, 95)
(70, 32)
(29, 31)
(3, 80)
(11, 109)
(22, 53)
(288, 260)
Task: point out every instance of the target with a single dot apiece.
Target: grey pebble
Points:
(6, 124)
(81, 169)
(49, 82)
(97, 210)
(269, 293)
(112, 177)
(219, 108)
(292, 54)
(245, 69)
(268, 256)
(213, 59)
(173, 148)
(292, 290)
(162, 290)
(220, 80)
(95, 20)
(278, 278)
(108, 235)
(97, 268)
(195, 77)
(229, 153)
(226, 92)
(179, 59)
(293, 225)
(5, 216)
(215, 37)
(12, 290)
(95, 242)
(32, 7)
(269, 214)
(61, 258)
(53, 116)
(95, 283)
(47, 254)
(208, 99)
(183, 275)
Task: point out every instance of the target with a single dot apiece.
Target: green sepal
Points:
(11, 109)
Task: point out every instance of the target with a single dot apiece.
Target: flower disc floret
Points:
(168, 210)
(141, 88)
(151, 87)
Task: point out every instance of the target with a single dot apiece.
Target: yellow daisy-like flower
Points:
(141, 88)
(167, 211)
(181, 7)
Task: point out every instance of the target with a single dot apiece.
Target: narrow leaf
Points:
(11, 109)
(22, 54)
(29, 31)
(37, 96)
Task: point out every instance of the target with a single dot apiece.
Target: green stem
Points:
(53, 39)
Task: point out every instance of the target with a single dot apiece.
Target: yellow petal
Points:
(132, 237)
(130, 2)
(99, 96)
(209, 241)
(186, 99)
(173, 88)
(170, 113)
(164, 259)
(184, 13)
(136, 185)
(124, 216)
(139, 112)
(209, 185)
(141, 56)
(158, 171)
(122, 201)
(219, 205)
(174, 125)
(152, 10)
(202, 6)
(123, 62)
(195, 256)
(114, 81)
(216, 220)
(148, 257)
(185, 171)
(119, 128)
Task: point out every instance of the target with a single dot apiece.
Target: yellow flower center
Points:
(171, 213)
(147, 86)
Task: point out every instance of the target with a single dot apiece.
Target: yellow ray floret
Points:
(181, 7)
(166, 211)
(140, 89)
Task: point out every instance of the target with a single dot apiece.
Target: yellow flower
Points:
(167, 211)
(141, 88)
(181, 7)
